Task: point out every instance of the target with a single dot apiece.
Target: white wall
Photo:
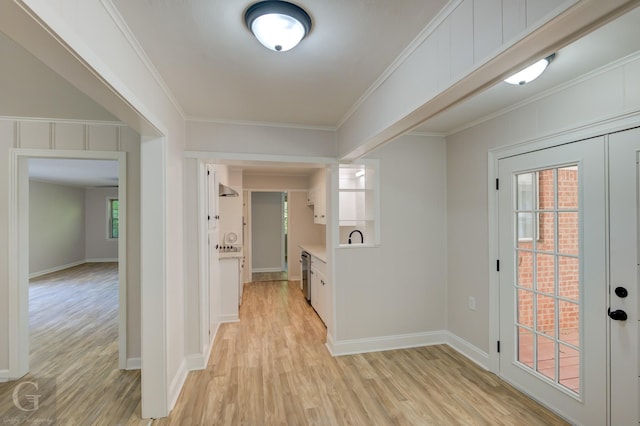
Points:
(98, 246)
(260, 139)
(615, 91)
(56, 227)
(398, 289)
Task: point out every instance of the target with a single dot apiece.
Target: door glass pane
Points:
(545, 272)
(569, 278)
(570, 368)
(525, 347)
(547, 250)
(568, 238)
(525, 308)
(546, 315)
(569, 317)
(525, 269)
(546, 357)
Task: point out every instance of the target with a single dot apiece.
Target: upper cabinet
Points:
(316, 196)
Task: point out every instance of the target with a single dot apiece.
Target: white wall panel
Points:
(69, 136)
(461, 39)
(514, 18)
(6, 142)
(34, 135)
(487, 28)
(538, 9)
(103, 138)
(632, 85)
(442, 37)
(582, 103)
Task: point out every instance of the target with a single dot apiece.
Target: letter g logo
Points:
(32, 399)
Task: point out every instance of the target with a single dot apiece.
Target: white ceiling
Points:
(71, 172)
(216, 69)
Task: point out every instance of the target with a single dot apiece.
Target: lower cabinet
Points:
(320, 289)
(230, 278)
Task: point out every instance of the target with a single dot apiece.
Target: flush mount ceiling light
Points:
(531, 72)
(278, 25)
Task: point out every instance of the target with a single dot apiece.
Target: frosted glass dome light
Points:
(531, 72)
(278, 25)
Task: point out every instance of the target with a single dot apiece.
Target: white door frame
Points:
(604, 127)
(19, 252)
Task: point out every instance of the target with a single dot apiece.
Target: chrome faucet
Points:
(361, 236)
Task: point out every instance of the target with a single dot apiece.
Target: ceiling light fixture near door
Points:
(531, 72)
(278, 25)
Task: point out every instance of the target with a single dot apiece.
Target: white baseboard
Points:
(70, 265)
(56, 269)
(195, 362)
(277, 269)
(4, 376)
(133, 364)
(229, 318)
(177, 383)
(404, 341)
(385, 343)
(199, 361)
(102, 260)
(472, 352)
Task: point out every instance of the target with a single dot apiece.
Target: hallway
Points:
(272, 368)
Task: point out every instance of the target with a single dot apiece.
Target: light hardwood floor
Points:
(272, 368)
(73, 321)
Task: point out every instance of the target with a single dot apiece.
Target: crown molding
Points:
(260, 124)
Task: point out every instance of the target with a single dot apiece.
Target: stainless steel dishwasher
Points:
(305, 263)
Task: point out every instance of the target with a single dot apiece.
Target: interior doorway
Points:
(269, 236)
(20, 255)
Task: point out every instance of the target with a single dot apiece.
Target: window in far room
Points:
(114, 218)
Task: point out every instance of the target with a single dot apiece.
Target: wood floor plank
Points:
(272, 368)
(73, 322)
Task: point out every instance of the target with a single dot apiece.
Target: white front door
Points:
(569, 258)
(553, 293)
(624, 154)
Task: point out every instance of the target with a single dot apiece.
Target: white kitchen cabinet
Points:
(318, 196)
(320, 289)
(229, 288)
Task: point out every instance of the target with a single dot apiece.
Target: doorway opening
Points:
(269, 236)
(54, 238)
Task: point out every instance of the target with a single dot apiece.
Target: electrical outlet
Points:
(472, 303)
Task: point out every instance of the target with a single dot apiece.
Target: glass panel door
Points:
(552, 278)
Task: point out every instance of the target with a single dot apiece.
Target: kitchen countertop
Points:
(230, 255)
(316, 250)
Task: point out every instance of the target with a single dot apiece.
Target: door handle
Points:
(618, 315)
